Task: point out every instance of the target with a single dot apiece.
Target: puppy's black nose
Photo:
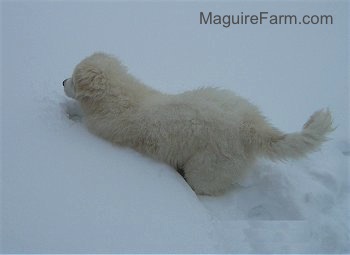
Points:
(64, 82)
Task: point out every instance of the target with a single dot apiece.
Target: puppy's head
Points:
(91, 77)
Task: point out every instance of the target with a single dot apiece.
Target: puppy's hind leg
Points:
(209, 174)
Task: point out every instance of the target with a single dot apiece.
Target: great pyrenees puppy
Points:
(209, 135)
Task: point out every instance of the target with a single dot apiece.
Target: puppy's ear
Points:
(90, 82)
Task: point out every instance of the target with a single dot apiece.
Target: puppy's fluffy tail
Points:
(278, 146)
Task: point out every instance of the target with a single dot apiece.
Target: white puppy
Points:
(209, 135)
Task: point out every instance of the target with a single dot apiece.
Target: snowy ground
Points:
(64, 190)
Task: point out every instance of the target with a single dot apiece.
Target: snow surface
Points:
(64, 190)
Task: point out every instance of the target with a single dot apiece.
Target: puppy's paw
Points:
(72, 110)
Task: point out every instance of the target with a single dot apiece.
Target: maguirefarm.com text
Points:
(263, 18)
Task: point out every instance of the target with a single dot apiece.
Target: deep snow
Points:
(64, 190)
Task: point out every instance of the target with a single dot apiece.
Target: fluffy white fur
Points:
(212, 135)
